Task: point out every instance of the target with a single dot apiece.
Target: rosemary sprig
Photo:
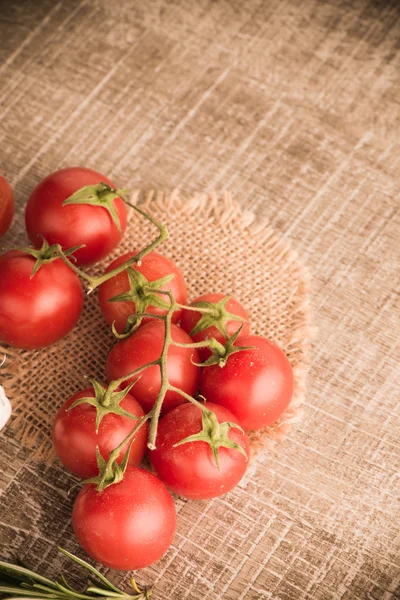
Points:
(20, 582)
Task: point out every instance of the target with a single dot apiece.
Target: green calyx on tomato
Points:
(110, 472)
(215, 434)
(47, 254)
(143, 293)
(221, 352)
(100, 194)
(106, 401)
(215, 315)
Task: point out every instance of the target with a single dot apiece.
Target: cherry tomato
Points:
(73, 224)
(144, 346)
(255, 385)
(75, 438)
(129, 525)
(38, 311)
(154, 267)
(6, 206)
(190, 469)
(190, 319)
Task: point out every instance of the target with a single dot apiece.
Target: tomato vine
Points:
(197, 443)
(214, 433)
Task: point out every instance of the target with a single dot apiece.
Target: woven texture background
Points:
(294, 106)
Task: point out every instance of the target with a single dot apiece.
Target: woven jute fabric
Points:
(219, 248)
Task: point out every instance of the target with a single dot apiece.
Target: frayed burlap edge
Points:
(224, 212)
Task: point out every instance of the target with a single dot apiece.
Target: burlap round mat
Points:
(220, 248)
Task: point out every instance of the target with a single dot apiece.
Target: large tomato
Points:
(6, 206)
(73, 224)
(129, 525)
(255, 385)
(153, 267)
(144, 346)
(218, 325)
(190, 469)
(75, 438)
(40, 310)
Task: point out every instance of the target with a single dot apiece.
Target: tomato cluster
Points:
(184, 381)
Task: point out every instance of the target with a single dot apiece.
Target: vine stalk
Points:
(107, 467)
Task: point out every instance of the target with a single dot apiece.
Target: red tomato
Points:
(6, 206)
(255, 385)
(38, 311)
(73, 224)
(144, 346)
(190, 469)
(129, 525)
(190, 319)
(75, 438)
(153, 266)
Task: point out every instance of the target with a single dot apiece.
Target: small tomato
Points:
(190, 468)
(6, 206)
(74, 224)
(129, 525)
(256, 385)
(75, 438)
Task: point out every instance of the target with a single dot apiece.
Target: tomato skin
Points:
(6, 206)
(153, 266)
(37, 312)
(190, 470)
(190, 318)
(129, 525)
(144, 346)
(255, 385)
(73, 224)
(75, 438)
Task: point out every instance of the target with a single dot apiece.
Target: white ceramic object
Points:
(5, 408)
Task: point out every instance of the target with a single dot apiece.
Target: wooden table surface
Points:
(294, 106)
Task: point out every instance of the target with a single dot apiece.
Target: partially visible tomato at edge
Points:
(73, 224)
(255, 385)
(190, 319)
(129, 525)
(153, 266)
(6, 206)
(37, 312)
(75, 438)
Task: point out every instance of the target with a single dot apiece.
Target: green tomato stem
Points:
(117, 382)
(196, 308)
(188, 397)
(154, 414)
(117, 450)
(163, 235)
(151, 444)
(165, 386)
(71, 265)
(204, 344)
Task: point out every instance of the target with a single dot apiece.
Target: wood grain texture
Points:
(293, 105)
